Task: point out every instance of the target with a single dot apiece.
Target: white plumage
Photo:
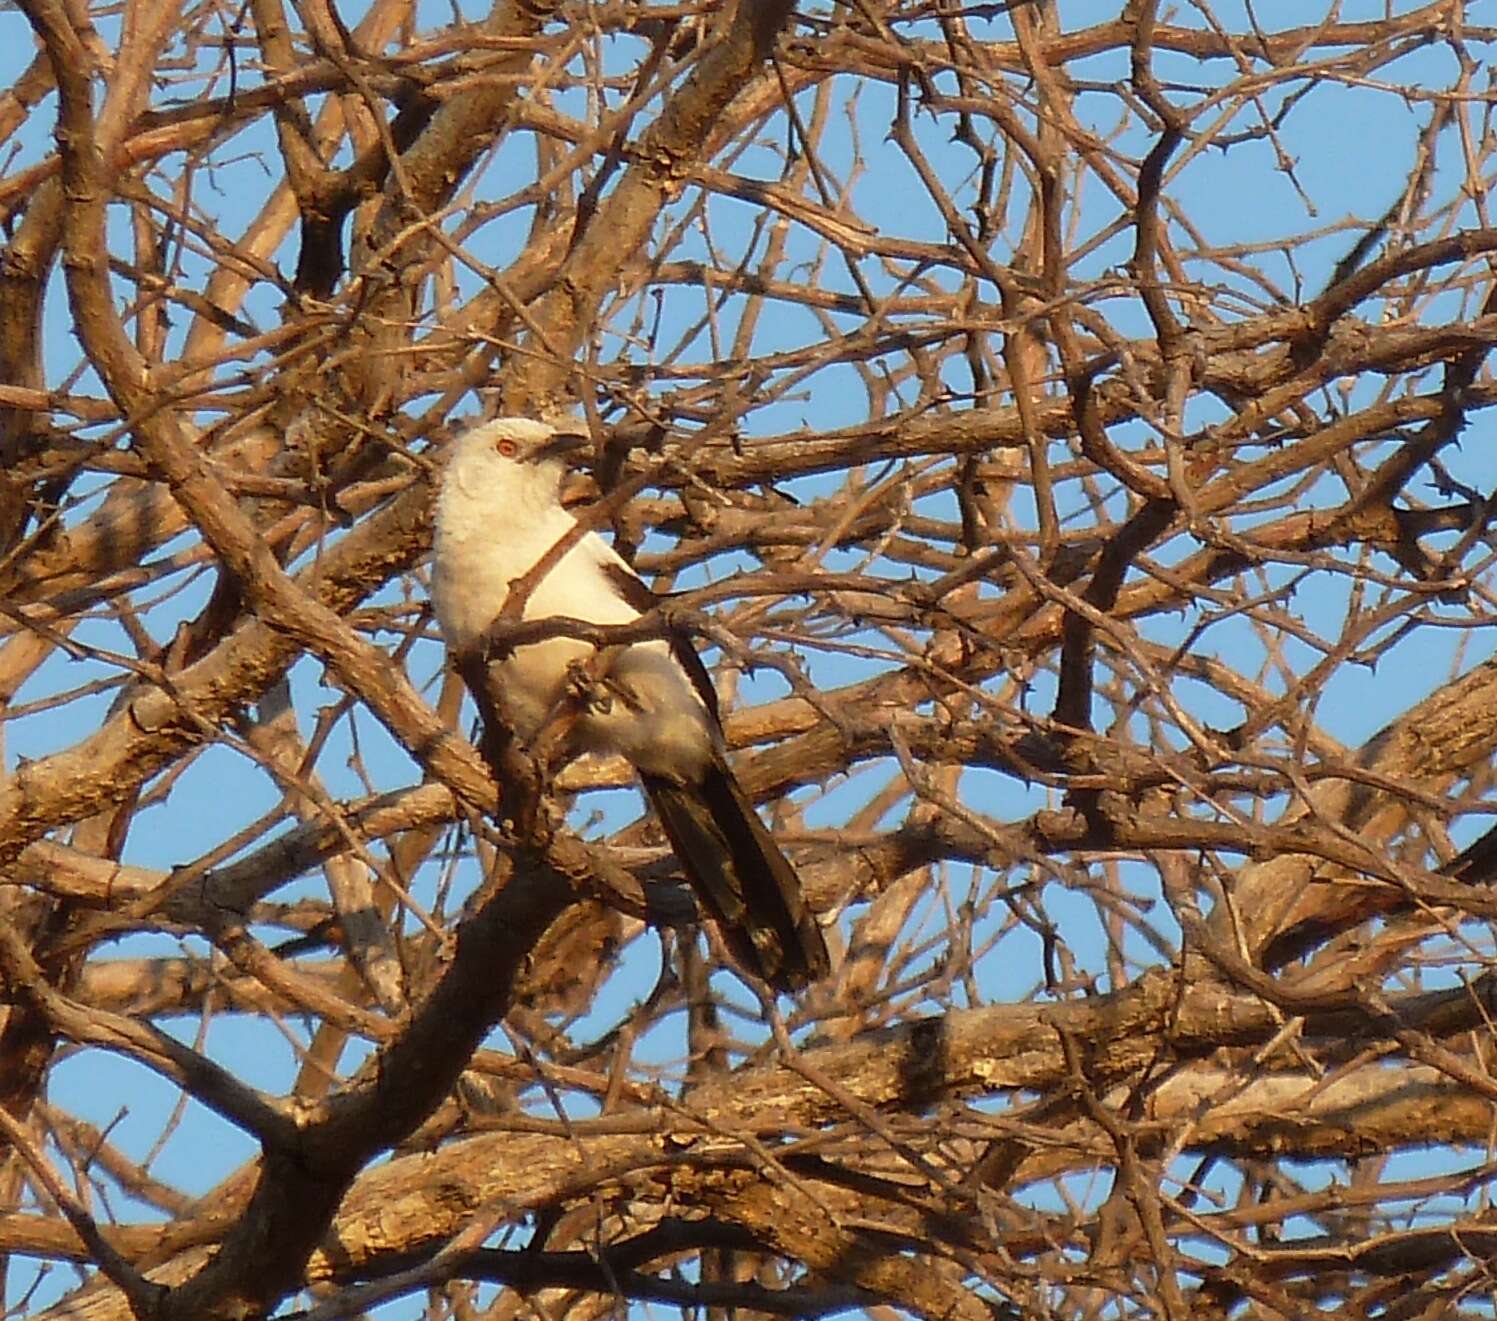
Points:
(496, 516)
(499, 513)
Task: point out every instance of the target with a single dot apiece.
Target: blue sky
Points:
(1352, 148)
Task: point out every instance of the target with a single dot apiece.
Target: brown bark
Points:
(1100, 608)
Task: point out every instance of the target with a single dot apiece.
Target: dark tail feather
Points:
(739, 872)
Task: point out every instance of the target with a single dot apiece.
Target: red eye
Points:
(506, 447)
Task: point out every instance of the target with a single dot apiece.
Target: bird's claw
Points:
(587, 690)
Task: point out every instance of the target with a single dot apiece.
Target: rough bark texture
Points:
(1100, 597)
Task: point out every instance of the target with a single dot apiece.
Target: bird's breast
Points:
(643, 707)
(476, 560)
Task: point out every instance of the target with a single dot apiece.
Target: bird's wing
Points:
(742, 877)
(632, 589)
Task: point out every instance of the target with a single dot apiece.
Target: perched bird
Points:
(498, 514)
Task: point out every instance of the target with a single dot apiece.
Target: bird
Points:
(498, 515)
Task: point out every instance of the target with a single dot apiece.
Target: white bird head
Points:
(512, 460)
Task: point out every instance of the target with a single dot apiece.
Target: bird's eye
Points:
(505, 446)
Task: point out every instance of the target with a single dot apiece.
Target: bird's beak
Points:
(560, 445)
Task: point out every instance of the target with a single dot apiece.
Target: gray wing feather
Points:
(740, 874)
(633, 590)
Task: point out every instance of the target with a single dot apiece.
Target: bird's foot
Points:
(590, 693)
